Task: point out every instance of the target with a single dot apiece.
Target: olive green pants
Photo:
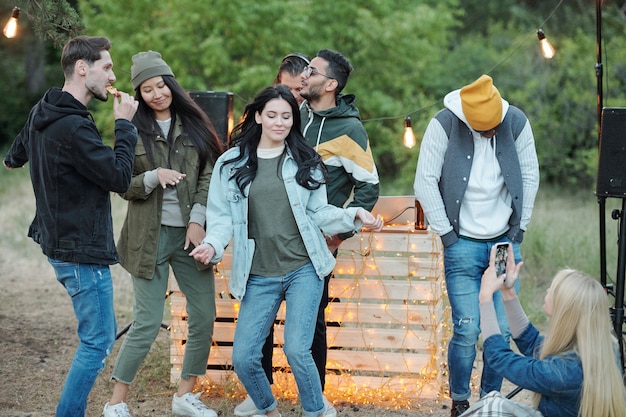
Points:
(199, 290)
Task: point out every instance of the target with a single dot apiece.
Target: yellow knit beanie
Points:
(482, 104)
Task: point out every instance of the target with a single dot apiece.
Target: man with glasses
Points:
(332, 125)
(477, 177)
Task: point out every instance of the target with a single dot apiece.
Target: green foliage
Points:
(229, 46)
(53, 21)
(14, 107)
(28, 62)
(12, 179)
(564, 233)
(561, 107)
(407, 55)
(56, 21)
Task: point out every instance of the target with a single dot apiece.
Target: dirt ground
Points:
(38, 335)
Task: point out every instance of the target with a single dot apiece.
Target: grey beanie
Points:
(147, 65)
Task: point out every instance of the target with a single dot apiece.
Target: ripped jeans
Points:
(91, 289)
(465, 262)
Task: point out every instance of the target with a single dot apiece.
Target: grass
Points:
(564, 232)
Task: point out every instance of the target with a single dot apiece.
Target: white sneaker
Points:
(117, 410)
(329, 409)
(246, 408)
(265, 415)
(190, 405)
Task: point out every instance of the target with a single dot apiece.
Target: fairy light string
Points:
(514, 48)
(387, 332)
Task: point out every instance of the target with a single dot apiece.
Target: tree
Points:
(237, 45)
(407, 55)
(55, 21)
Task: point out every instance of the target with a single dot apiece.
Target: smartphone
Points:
(502, 254)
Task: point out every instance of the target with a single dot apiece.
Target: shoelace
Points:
(195, 402)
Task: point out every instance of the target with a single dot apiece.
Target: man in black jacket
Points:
(73, 173)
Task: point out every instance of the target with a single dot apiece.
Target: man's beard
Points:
(311, 95)
(98, 94)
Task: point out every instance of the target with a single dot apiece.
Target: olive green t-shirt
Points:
(279, 248)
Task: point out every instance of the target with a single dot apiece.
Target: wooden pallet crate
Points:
(387, 321)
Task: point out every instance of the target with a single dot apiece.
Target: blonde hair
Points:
(580, 322)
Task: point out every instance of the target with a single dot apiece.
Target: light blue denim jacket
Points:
(557, 378)
(227, 218)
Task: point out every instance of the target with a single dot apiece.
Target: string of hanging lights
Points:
(10, 29)
(55, 21)
(546, 47)
(409, 139)
(547, 50)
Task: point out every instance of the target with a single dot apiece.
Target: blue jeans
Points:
(464, 262)
(91, 289)
(319, 347)
(302, 290)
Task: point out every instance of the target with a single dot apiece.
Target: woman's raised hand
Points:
(203, 253)
(369, 221)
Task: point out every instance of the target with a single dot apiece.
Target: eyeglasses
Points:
(309, 70)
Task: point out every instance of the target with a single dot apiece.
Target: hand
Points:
(169, 177)
(512, 271)
(492, 283)
(195, 234)
(203, 253)
(124, 106)
(370, 222)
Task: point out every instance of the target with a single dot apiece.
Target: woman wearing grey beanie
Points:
(165, 220)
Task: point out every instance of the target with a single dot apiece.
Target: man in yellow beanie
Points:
(477, 177)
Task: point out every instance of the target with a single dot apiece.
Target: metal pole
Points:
(599, 69)
(618, 318)
(601, 199)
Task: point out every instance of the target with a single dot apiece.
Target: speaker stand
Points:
(617, 311)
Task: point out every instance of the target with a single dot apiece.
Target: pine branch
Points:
(55, 21)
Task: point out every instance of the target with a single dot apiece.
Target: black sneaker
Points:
(458, 408)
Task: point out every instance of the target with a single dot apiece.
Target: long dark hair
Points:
(247, 135)
(197, 126)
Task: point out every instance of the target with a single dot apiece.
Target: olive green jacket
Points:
(139, 239)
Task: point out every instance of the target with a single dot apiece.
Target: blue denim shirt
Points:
(557, 378)
(227, 218)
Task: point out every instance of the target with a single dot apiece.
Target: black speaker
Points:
(219, 107)
(611, 181)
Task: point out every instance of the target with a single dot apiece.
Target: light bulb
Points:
(10, 29)
(409, 136)
(546, 48)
